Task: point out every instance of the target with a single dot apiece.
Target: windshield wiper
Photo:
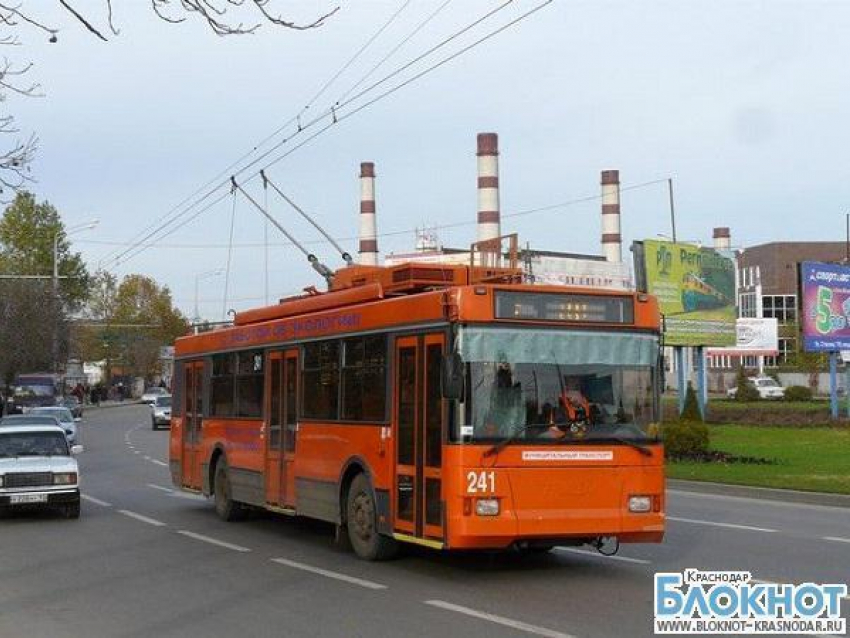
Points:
(616, 439)
(513, 436)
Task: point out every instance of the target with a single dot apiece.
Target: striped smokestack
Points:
(368, 227)
(611, 239)
(489, 222)
(722, 238)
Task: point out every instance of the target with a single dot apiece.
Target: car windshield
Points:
(63, 414)
(155, 391)
(558, 385)
(767, 383)
(32, 444)
(163, 402)
(29, 420)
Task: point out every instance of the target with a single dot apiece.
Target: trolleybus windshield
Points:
(553, 385)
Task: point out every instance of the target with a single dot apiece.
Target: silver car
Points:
(38, 469)
(66, 419)
(161, 412)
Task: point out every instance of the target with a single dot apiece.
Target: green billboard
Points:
(695, 288)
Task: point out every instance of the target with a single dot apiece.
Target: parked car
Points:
(38, 469)
(767, 387)
(151, 394)
(161, 413)
(73, 404)
(66, 420)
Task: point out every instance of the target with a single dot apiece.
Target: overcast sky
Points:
(743, 104)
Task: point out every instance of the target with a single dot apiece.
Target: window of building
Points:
(249, 384)
(222, 383)
(364, 379)
(781, 307)
(320, 380)
(747, 304)
(787, 349)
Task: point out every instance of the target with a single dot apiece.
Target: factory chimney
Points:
(611, 238)
(722, 238)
(489, 222)
(368, 228)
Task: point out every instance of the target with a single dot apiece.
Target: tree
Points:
(126, 324)
(224, 17)
(29, 313)
(28, 231)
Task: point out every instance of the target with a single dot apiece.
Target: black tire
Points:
(361, 518)
(226, 508)
(153, 425)
(72, 510)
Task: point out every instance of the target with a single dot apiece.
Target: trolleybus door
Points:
(282, 410)
(193, 401)
(418, 423)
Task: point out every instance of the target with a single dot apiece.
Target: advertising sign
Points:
(755, 337)
(695, 288)
(825, 290)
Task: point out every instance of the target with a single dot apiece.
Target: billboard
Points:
(825, 291)
(695, 288)
(755, 337)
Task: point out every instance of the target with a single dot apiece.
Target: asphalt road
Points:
(145, 560)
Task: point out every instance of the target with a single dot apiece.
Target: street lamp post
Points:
(56, 237)
(198, 278)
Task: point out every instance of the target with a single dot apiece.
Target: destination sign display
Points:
(564, 307)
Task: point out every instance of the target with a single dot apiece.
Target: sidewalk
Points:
(763, 493)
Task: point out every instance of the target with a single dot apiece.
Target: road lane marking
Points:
(158, 462)
(748, 528)
(213, 541)
(587, 552)
(96, 501)
(500, 620)
(143, 519)
(136, 452)
(836, 539)
(368, 584)
(160, 488)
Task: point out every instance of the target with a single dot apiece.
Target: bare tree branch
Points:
(82, 20)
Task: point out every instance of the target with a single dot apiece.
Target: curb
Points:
(761, 493)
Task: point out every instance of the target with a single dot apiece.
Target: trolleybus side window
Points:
(320, 380)
(221, 403)
(249, 384)
(364, 375)
(237, 384)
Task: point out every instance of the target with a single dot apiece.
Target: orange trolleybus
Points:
(443, 405)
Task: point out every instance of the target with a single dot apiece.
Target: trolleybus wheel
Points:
(226, 508)
(361, 518)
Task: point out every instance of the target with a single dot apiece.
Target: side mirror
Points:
(77, 449)
(453, 376)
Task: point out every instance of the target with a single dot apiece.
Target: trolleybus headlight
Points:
(487, 507)
(640, 504)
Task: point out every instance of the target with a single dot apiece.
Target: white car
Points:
(767, 387)
(38, 469)
(151, 394)
(66, 419)
(161, 412)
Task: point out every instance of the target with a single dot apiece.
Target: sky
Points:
(742, 104)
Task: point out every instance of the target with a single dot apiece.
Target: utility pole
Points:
(672, 207)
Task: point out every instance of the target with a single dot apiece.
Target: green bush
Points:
(688, 435)
(798, 393)
(746, 390)
(683, 439)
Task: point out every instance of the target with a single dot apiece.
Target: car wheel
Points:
(153, 425)
(361, 517)
(72, 510)
(226, 508)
